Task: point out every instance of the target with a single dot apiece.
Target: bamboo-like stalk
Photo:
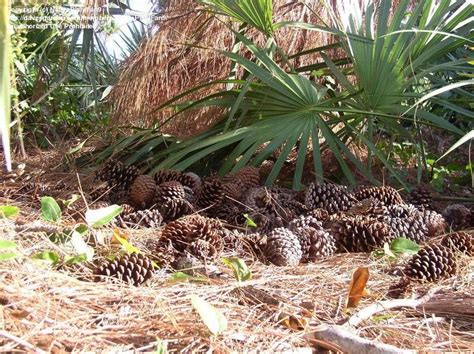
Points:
(5, 54)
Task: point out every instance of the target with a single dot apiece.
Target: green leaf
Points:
(404, 245)
(80, 246)
(212, 318)
(48, 256)
(74, 198)
(77, 148)
(129, 248)
(161, 347)
(5, 244)
(82, 229)
(102, 216)
(183, 277)
(7, 211)
(463, 140)
(388, 251)
(7, 256)
(75, 259)
(241, 271)
(50, 210)
(249, 222)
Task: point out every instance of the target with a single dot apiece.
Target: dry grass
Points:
(166, 65)
(55, 311)
(60, 310)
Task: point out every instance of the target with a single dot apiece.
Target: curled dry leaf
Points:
(292, 321)
(357, 286)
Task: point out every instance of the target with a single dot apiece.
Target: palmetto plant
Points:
(393, 77)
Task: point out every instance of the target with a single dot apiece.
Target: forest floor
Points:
(293, 309)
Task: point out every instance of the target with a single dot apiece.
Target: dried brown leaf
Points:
(357, 286)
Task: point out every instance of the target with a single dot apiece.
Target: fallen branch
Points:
(352, 343)
(378, 307)
(38, 226)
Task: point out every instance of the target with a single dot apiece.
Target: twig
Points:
(371, 310)
(38, 226)
(351, 343)
(453, 199)
(20, 341)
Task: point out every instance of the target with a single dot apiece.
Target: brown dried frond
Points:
(165, 65)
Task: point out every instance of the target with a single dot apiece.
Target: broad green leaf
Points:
(241, 271)
(102, 216)
(404, 245)
(75, 259)
(80, 246)
(249, 222)
(48, 256)
(7, 211)
(5, 244)
(212, 317)
(7, 256)
(50, 210)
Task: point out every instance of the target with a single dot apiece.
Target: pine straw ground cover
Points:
(53, 310)
(279, 309)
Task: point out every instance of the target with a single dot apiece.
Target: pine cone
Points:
(369, 206)
(166, 176)
(142, 218)
(431, 263)
(283, 248)
(117, 175)
(168, 191)
(360, 233)
(200, 236)
(100, 192)
(434, 221)
(421, 197)
(265, 222)
(233, 191)
(228, 212)
(331, 197)
(249, 176)
(127, 209)
(458, 217)
(175, 209)
(316, 243)
(142, 191)
(170, 199)
(304, 222)
(320, 214)
(210, 194)
(459, 242)
(190, 180)
(386, 195)
(400, 211)
(398, 290)
(411, 227)
(131, 268)
(120, 196)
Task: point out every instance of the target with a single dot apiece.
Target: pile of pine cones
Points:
(196, 217)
